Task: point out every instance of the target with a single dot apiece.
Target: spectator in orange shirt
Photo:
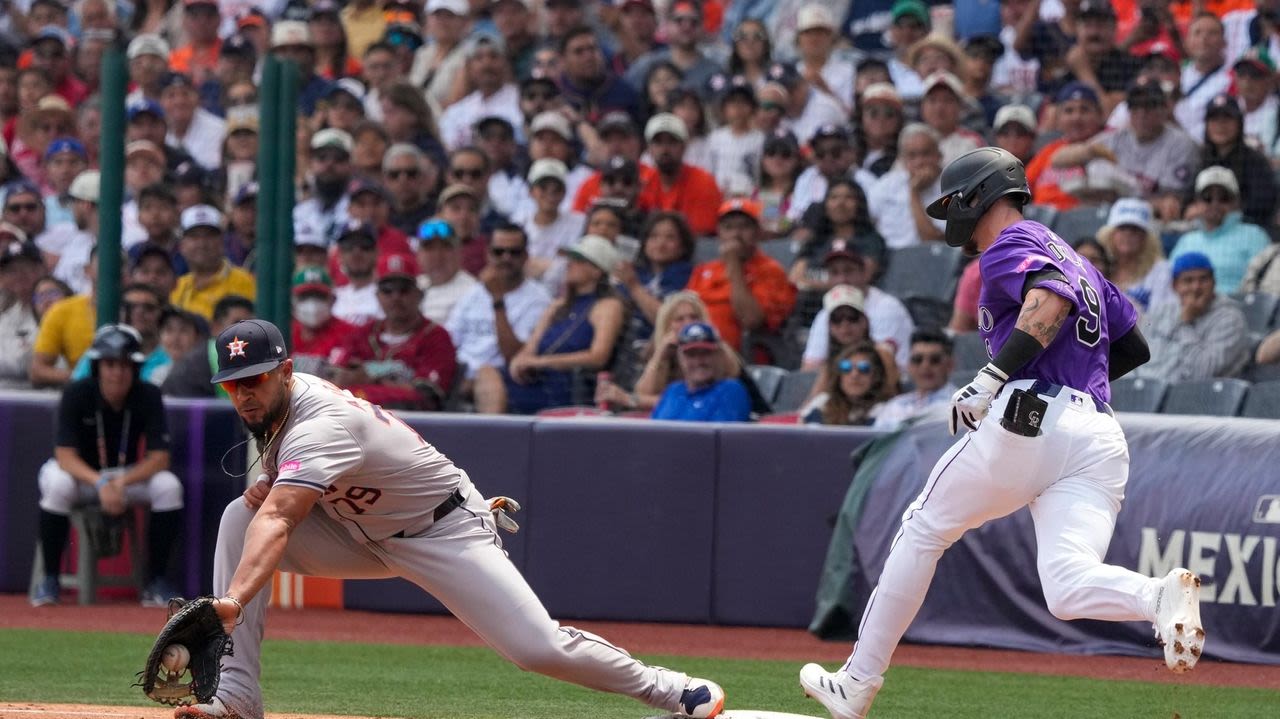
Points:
(683, 188)
(1079, 120)
(199, 56)
(618, 137)
(745, 290)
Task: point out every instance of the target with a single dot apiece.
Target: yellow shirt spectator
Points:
(67, 328)
(365, 23)
(200, 299)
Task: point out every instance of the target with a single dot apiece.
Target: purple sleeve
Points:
(1016, 255)
(1121, 315)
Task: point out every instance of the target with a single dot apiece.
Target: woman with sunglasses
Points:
(752, 52)
(853, 390)
(780, 165)
(877, 123)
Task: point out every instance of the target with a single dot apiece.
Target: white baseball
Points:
(175, 659)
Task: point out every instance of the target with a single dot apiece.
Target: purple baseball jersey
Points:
(1078, 356)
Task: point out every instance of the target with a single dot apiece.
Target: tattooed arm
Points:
(1043, 313)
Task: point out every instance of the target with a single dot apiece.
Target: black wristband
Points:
(1017, 351)
(499, 305)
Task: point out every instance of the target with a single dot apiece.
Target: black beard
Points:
(330, 191)
(259, 429)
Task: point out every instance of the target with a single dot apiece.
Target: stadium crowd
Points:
(680, 209)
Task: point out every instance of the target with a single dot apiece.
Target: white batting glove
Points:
(972, 401)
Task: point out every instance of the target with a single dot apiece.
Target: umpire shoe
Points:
(701, 699)
(215, 709)
(842, 695)
(1178, 624)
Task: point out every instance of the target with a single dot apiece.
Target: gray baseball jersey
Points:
(379, 477)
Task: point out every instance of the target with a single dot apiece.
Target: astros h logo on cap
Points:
(248, 348)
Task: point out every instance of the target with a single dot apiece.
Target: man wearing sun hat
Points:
(744, 289)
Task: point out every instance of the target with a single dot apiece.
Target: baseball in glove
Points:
(196, 626)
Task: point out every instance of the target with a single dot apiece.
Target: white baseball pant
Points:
(460, 561)
(60, 492)
(1072, 476)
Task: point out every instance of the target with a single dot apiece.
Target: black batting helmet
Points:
(971, 184)
(115, 341)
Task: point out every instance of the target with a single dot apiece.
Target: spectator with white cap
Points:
(495, 95)
(1222, 233)
(411, 179)
(907, 189)
(291, 40)
(941, 108)
(211, 275)
(438, 64)
(1203, 335)
(890, 323)
(818, 61)
(549, 228)
(190, 126)
(309, 248)
(578, 332)
(343, 106)
(329, 169)
(75, 238)
(1015, 131)
(148, 56)
(551, 138)
(1138, 265)
(681, 187)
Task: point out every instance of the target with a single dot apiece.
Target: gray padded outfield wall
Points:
(731, 524)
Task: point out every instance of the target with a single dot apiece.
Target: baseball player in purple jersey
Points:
(1058, 333)
(349, 490)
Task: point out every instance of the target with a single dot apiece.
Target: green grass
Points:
(474, 683)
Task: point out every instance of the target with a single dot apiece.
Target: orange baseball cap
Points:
(741, 205)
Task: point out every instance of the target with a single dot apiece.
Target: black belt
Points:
(453, 501)
(1048, 389)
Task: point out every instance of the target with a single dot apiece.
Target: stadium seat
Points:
(1259, 309)
(928, 312)
(970, 353)
(1262, 373)
(1044, 214)
(781, 250)
(707, 249)
(1263, 401)
(768, 379)
(925, 270)
(1080, 222)
(1221, 397)
(793, 390)
(1138, 395)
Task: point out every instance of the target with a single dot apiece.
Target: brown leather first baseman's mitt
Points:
(196, 627)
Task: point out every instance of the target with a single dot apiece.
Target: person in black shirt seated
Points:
(112, 449)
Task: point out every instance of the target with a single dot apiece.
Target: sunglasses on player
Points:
(231, 386)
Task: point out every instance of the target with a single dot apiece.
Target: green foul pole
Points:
(111, 194)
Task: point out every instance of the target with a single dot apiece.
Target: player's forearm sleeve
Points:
(1017, 352)
(1127, 354)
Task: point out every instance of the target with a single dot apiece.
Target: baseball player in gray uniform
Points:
(1057, 332)
(351, 491)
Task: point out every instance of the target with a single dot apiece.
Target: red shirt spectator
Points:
(405, 361)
